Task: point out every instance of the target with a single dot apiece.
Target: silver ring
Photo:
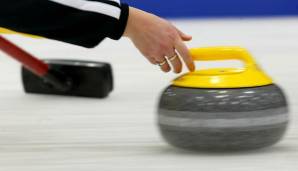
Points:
(162, 63)
(173, 57)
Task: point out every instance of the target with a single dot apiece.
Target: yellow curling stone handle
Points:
(222, 53)
(249, 76)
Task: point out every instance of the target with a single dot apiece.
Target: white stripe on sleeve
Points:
(118, 1)
(93, 6)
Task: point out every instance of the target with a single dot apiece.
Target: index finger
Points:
(185, 55)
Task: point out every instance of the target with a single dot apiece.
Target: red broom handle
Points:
(29, 61)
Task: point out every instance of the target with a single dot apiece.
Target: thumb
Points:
(184, 36)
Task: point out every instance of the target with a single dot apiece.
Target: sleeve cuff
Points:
(121, 24)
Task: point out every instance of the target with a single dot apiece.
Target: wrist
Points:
(130, 23)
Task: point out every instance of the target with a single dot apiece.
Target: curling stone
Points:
(61, 77)
(223, 109)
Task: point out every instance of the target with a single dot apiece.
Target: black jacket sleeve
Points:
(80, 22)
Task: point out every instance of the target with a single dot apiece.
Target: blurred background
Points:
(218, 8)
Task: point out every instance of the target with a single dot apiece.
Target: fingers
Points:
(185, 55)
(183, 50)
(175, 61)
(172, 57)
(163, 64)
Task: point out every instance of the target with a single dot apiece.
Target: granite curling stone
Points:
(223, 109)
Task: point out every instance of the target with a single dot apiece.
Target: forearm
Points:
(80, 22)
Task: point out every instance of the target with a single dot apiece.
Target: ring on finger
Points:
(173, 57)
(162, 63)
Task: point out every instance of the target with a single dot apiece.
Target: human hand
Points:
(158, 40)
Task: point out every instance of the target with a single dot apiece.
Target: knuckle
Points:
(170, 32)
(173, 37)
(166, 48)
(163, 46)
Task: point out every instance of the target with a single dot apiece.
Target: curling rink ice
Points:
(52, 133)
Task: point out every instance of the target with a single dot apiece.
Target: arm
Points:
(80, 22)
(87, 22)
